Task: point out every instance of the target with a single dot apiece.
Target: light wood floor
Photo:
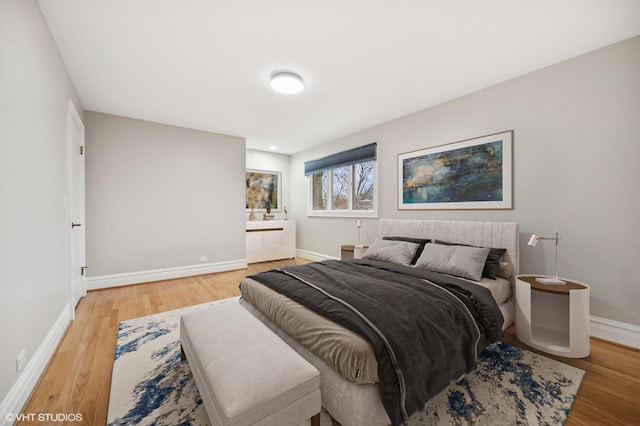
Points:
(78, 377)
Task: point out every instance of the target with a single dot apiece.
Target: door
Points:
(76, 151)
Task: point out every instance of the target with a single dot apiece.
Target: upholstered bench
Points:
(245, 373)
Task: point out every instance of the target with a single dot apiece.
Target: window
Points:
(319, 189)
(340, 188)
(343, 184)
(364, 177)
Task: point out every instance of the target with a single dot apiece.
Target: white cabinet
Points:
(553, 318)
(270, 240)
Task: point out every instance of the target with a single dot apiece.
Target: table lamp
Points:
(532, 243)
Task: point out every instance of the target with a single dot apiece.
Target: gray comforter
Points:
(426, 328)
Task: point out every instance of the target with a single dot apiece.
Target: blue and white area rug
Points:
(512, 386)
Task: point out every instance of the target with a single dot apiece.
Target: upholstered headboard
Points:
(484, 234)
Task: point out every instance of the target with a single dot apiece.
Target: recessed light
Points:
(287, 82)
(273, 147)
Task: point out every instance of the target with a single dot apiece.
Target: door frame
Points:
(75, 181)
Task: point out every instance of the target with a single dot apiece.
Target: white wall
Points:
(34, 225)
(576, 149)
(159, 196)
(262, 160)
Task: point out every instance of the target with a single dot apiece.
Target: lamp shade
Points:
(287, 82)
(533, 240)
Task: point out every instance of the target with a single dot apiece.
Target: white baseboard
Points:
(316, 257)
(13, 403)
(117, 280)
(615, 331)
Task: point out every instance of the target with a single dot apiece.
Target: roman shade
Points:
(344, 158)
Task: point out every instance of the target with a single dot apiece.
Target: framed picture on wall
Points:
(263, 190)
(471, 174)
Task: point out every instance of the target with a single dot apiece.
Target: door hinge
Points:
(81, 150)
(83, 269)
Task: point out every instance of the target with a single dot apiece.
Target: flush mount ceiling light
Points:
(287, 82)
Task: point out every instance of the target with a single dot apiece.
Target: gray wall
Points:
(160, 196)
(34, 224)
(576, 149)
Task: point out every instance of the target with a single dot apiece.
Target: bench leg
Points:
(183, 356)
(315, 420)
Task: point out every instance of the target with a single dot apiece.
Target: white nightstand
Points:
(350, 252)
(553, 318)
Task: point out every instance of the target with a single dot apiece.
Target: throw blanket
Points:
(426, 328)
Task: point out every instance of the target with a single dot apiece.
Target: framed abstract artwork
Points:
(263, 190)
(471, 174)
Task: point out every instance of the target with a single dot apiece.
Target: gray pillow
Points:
(493, 260)
(461, 261)
(400, 252)
(420, 241)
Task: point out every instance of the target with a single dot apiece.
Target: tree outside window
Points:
(363, 185)
(340, 191)
(319, 187)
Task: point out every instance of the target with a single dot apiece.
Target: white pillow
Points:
(400, 252)
(461, 261)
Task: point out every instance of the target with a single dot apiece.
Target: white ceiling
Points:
(205, 64)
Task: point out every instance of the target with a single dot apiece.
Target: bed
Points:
(365, 377)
